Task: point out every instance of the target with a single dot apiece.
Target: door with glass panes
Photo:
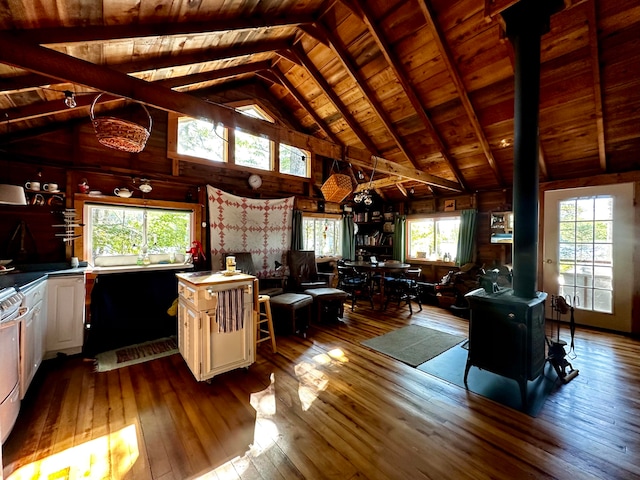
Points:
(587, 251)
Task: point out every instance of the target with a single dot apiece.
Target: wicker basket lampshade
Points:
(336, 188)
(120, 134)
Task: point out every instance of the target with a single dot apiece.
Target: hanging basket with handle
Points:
(336, 188)
(120, 134)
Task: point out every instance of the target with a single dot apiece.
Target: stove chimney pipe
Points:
(526, 22)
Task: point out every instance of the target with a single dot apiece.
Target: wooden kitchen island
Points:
(216, 318)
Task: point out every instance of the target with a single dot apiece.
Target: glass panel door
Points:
(588, 241)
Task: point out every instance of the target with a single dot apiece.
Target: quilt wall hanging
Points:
(239, 224)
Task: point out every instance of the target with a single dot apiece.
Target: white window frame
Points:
(83, 244)
(317, 219)
(431, 256)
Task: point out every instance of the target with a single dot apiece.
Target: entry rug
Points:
(450, 365)
(413, 344)
(142, 352)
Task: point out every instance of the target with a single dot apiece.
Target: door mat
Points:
(450, 367)
(142, 352)
(413, 344)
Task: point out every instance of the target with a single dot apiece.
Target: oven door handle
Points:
(9, 323)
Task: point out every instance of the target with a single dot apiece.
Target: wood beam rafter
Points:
(98, 33)
(597, 84)
(282, 78)
(369, 95)
(408, 89)
(381, 183)
(359, 158)
(335, 99)
(447, 57)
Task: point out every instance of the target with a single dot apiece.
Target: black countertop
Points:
(24, 275)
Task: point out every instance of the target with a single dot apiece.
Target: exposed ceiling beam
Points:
(282, 78)
(203, 56)
(35, 110)
(447, 57)
(343, 56)
(380, 183)
(597, 84)
(358, 157)
(157, 63)
(335, 99)
(394, 63)
(55, 106)
(204, 77)
(99, 33)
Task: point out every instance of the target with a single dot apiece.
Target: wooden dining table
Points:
(383, 268)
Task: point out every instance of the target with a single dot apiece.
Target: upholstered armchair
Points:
(303, 271)
(271, 286)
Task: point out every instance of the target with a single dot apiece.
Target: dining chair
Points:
(403, 287)
(356, 284)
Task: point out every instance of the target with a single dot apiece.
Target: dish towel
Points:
(230, 311)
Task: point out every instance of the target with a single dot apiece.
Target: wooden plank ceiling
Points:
(421, 88)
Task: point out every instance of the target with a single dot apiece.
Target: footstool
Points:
(286, 306)
(329, 302)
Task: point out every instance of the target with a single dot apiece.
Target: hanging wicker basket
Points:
(120, 134)
(336, 188)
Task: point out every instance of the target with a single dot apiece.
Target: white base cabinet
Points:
(65, 314)
(209, 344)
(33, 330)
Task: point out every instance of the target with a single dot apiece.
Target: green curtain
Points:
(466, 236)
(399, 247)
(296, 234)
(348, 238)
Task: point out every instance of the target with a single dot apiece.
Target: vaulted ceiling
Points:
(422, 88)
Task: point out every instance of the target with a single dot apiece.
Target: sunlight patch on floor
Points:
(110, 456)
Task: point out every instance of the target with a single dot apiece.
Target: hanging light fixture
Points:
(365, 196)
(70, 99)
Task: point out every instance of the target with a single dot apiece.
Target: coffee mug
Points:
(50, 187)
(75, 262)
(35, 186)
(37, 199)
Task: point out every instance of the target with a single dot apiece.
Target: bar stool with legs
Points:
(264, 321)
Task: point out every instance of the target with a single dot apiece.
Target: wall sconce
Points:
(145, 185)
(70, 99)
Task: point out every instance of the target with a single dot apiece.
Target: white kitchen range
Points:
(216, 330)
(11, 315)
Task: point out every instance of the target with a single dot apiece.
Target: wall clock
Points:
(255, 181)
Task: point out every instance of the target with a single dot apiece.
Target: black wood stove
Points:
(507, 335)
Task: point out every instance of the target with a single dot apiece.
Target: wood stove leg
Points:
(522, 382)
(466, 372)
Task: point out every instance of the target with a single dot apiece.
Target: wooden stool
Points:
(264, 334)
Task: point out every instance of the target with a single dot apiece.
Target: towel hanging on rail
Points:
(230, 311)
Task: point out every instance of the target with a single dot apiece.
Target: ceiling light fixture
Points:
(365, 196)
(70, 99)
(145, 186)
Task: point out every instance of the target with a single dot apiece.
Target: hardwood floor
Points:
(327, 407)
